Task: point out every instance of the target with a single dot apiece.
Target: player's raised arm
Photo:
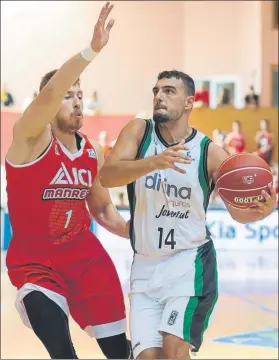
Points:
(45, 106)
(120, 167)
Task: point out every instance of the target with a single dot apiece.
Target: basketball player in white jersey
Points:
(174, 274)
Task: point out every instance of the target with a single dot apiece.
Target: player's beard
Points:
(69, 126)
(162, 118)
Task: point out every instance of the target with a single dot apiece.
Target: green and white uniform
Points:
(174, 274)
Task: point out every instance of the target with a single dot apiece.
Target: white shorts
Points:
(181, 307)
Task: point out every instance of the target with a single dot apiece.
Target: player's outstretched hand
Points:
(101, 30)
(266, 206)
(174, 154)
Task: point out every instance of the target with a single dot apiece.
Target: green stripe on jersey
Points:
(203, 174)
(143, 147)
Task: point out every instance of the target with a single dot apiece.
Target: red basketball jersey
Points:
(237, 144)
(46, 198)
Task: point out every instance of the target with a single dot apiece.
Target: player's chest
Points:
(68, 180)
(72, 170)
(170, 177)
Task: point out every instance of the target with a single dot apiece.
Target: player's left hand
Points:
(101, 30)
(266, 206)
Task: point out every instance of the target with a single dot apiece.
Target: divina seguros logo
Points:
(154, 182)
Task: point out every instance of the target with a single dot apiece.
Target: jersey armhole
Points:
(40, 157)
(212, 185)
(146, 136)
(204, 180)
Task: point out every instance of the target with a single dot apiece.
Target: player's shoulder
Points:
(96, 147)
(201, 136)
(91, 146)
(136, 124)
(135, 129)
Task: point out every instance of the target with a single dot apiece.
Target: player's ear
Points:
(189, 103)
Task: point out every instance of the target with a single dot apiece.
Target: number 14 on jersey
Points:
(166, 240)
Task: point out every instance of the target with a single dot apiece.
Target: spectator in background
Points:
(6, 97)
(202, 97)
(218, 137)
(235, 141)
(224, 98)
(103, 141)
(92, 106)
(263, 141)
(251, 99)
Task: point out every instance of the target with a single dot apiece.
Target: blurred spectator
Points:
(263, 141)
(92, 106)
(202, 97)
(235, 140)
(142, 115)
(112, 143)
(121, 205)
(218, 137)
(251, 99)
(103, 141)
(28, 100)
(6, 97)
(224, 98)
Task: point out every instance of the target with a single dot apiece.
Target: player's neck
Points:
(174, 132)
(68, 140)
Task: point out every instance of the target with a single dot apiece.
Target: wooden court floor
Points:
(233, 316)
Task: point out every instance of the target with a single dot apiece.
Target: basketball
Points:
(241, 179)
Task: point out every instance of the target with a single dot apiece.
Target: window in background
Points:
(217, 84)
(202, 93)
(275, 86)
(225, 94)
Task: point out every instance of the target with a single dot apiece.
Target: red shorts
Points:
(82, 272)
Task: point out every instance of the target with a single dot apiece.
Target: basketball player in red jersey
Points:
(55, 261)
(235, 140)
(263, 141)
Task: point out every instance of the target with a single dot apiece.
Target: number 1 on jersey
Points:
(69, 215)
(170, 235)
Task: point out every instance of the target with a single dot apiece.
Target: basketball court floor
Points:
(245, 325)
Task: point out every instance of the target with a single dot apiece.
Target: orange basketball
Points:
(241, 179)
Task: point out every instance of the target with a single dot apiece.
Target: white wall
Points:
(147, 38)
(223, 37)
(202, 38)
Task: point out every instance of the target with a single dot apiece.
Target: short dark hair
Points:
(187, 79)
(237, 122)
(48, 76)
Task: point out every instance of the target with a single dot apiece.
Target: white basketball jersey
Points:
(168, 209)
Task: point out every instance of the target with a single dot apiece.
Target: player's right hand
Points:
(172, 155)
(101, 33)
